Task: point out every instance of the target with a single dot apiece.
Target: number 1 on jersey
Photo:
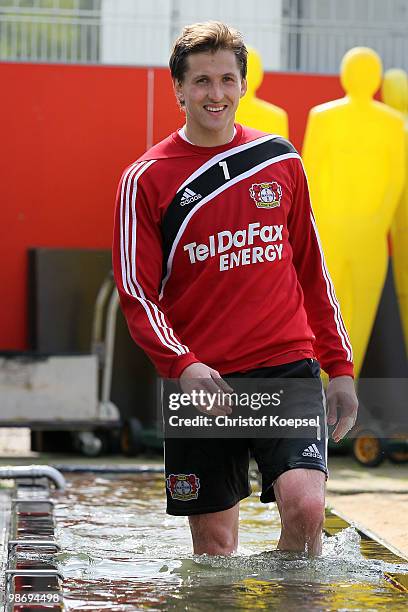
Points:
(224, 167)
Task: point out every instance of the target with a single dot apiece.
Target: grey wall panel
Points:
(63, 285)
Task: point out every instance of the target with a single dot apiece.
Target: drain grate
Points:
(32, 580)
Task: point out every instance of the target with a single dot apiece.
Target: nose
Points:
(216, 93)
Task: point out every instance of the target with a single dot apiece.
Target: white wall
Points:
(140, 32)
(135, 32)
(258, 20)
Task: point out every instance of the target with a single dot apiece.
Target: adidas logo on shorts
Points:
(312, 451)
(189, 197)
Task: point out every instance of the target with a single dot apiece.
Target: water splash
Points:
(341, 559)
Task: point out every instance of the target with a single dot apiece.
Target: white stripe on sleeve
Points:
(341, 329)
(128, 221)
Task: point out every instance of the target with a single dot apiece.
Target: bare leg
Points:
(215, 533)
(300, 495)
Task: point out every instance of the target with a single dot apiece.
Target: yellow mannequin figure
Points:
(257, 113)
(354, 157)
(395, 94)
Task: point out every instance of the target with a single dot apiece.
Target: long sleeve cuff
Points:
(181, 363)
(340, 369)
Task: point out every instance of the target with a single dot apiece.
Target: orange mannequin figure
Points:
(395, 94)
(354, 156)
(257, 113)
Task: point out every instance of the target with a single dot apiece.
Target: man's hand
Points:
(342, 405)
(200, 377)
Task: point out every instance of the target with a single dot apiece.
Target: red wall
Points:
(67, 132)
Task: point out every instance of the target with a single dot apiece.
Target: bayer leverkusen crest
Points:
(266, 195)
(183, 486)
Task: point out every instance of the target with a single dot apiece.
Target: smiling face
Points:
(211, 89)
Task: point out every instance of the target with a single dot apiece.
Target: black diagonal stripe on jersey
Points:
(213, 178)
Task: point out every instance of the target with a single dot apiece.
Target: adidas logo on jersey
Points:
(312, 451)
(189, 197)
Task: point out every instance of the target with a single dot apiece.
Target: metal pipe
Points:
(33, 471)
(101, 299)
(11, 573)
(27, 543)
(109, 345)
(111, 469)
(33, 500)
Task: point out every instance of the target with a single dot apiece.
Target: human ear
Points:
(178, 91)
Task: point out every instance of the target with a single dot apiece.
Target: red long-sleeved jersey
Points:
(217, 259)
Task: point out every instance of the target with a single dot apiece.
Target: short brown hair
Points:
(209, 36)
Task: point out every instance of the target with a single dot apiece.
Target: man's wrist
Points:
(341, 376)
(181, 363)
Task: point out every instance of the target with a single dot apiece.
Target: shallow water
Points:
(122, 552)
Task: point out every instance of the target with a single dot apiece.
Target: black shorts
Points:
(212, 474)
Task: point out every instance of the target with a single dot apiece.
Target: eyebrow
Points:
(199, 76)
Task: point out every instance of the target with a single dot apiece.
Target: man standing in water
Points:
(220, 272)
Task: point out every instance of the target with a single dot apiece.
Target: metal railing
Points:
(54, 31)
(306, 35)
(320, 47)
